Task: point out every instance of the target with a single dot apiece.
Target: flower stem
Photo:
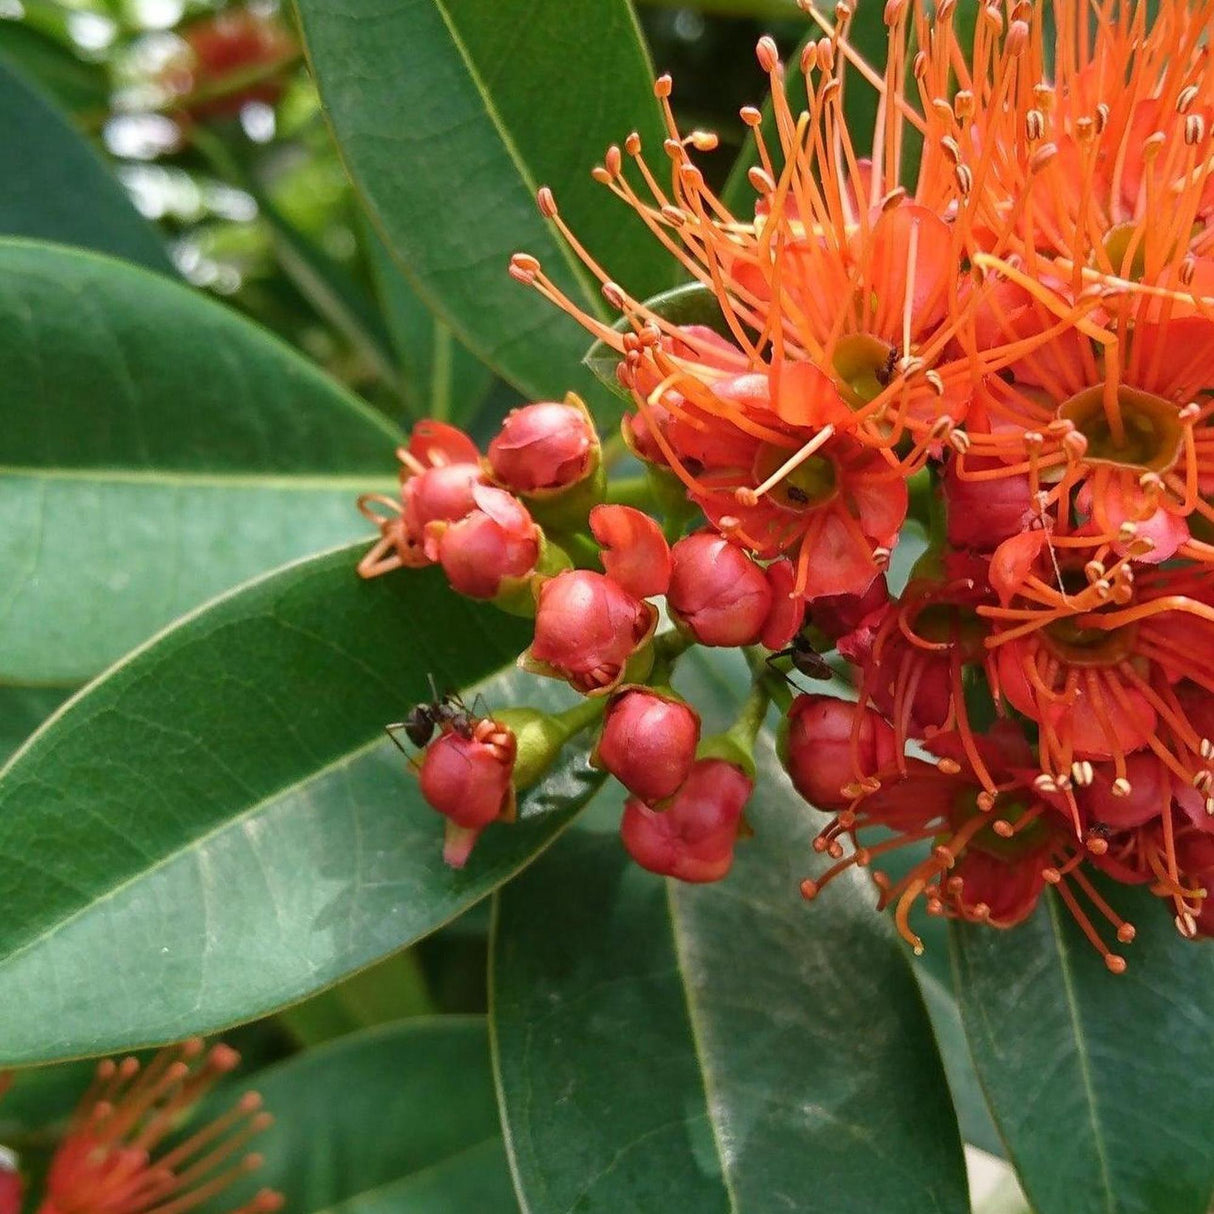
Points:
(633, 491)
(776, 686)
(750, 720)
(667, 649)
(581, 716)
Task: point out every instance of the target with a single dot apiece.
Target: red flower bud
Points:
(982, 514)
(544, 447)
(717, 592)
(586, 629)
(439, 469)
(648, 742)
(433, 443)
(467, 778)
(635, 553)
(10, 1188)
(839, 614)
(819, 751)
(693, 838)
(441, 494)
(787, 612)
(223, 48)
(496, 541)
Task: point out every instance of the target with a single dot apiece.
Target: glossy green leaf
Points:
(973, 1117)
(689, 304)
(218, 827)
(395, 1120)
(718, 1048)
(1098, 1083)
(391, 990)
(155, 448)
(439, 376)
(56, 187)
(449, 115)
(22, 710)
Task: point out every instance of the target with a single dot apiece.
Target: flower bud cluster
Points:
(1014, 352)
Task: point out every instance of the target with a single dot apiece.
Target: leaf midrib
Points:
(192, 844)
(580, 273)
(697, 1045)
(1081, 1054)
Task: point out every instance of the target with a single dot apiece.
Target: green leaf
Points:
(449, 115)
(440, 376)
(395, 1120)
(56, 187)
(973, 1116)
(391, 990)
(715, 1048)
(79, 87)
(155, 449)
(40, 1099)
(22, 710)
(690, 304)
(218, 827)
(1098, 1083)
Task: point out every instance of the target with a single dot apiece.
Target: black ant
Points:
(423, 719)
(805, 658)
(885, 373)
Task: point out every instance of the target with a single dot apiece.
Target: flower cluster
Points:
(1000, 325)
(110, 1159)
(226, 61)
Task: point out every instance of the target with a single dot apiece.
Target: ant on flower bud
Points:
(447, 711)
(805, 659)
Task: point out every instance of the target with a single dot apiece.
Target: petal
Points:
(787, 612)
(1013, 561)
(807, 396)
(880, 500)
(889, 260)
(434, 442)
(635, 553)
(838, 563)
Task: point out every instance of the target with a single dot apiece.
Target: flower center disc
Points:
(1011, 807)
(1117, 242)
(948, 624)
(811, 483)
(864, 365)
(1153, 433)
(1079, 646)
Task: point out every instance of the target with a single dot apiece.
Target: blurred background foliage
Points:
(214, 127)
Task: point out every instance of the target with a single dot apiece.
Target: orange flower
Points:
(998, 839)
(846, 352)
(1095, 655)
(1085, 127)
(107, 1163)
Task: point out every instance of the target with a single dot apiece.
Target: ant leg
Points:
(391, 730)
